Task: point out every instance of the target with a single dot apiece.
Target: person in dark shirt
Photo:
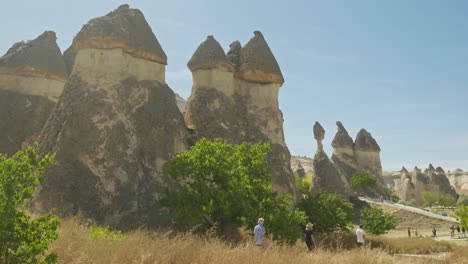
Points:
(409, 231)
(434, 232)
(309, 237)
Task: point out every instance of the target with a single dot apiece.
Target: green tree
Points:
(462, 200)
(447, 200)
(328, 212)
(391, 194)
(303, 184)
(22, 239)
(429, 198)
(363, 182)
(462, 215)
(229, 186)
(376, 221)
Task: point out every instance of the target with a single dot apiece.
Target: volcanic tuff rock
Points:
(257, 63)
(243, 105)
(297, 168)
(327, 176)
(32, 76)
(432, 179)
(114, 127)
(306, 163)
(459, 180)
(343, 152)
(367, 154)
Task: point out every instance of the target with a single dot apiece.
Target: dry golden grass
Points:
(75, 245)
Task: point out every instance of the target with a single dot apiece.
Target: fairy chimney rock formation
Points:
(32, 76)
(319, 134)
(343, 151)
(327, 176)
(235, 97)
(122, 37)
(115, 126)
(257, 63)
(367, 154)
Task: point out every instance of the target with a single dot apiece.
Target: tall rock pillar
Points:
(343, 152)
(114, 127)
(367, 154)
(236, 97)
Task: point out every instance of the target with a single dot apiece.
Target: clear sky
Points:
(397, 68)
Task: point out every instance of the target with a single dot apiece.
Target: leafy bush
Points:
(429, 198)
(21, 238)
(462, 200)
(462, 215)
(328, 212)
(303, 184)
(391, 194)
(229, 186)
(97, 232)
(376, 221)
(447, 200)
(363, 182)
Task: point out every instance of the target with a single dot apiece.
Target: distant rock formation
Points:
(299, 170)
(32, 76)
(306, 163)
(343, 152)
(410, 186)
(405, 187)
(114, 127)
(236, 97)
(459, 180)
(327, 176)
(367, 154)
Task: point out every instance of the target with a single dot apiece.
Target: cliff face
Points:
(459, 180)
(327, 177)
(32, 76)
(114, 127)
(236, 97)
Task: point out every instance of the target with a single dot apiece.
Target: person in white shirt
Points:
(360, 236)
(259, 233)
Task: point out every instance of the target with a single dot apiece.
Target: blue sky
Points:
(397, 68)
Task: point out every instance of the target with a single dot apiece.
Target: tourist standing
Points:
(309, 237)
(361, 240)
(463, 230)
(416, 232)
(409, 231)
(434, 232)
(259, 233)
(458, 231)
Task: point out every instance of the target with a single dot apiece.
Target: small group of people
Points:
(260, 232)
(416, 234)
(259, 235)
(460, 231)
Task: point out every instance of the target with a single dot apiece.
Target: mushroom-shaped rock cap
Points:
(124, 28)
(209, 55)
(40, 57)
(342, 138)
(319, 132)
(403, 170)
(257, 63)
(234, 53)
(365, 142)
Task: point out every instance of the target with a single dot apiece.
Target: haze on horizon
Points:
(396, 68)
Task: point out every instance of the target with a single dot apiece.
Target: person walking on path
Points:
(434, 232)
(409, 231)
(361, 239)
(381, 199)
(463, 230)
(452, 231)
(458, 231)
(259, 233)
(309, 237)
(416, 232)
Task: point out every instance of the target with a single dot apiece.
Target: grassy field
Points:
(77, 245)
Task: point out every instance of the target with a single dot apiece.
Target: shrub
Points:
(391, 194)
(229, 186)
(363, 182)
(105, 232)
(429, 198)
(462, 215)
(376, 221)
(462, 200)
(21, 238)
(447, 200)
(303, 184)
(328, 212)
